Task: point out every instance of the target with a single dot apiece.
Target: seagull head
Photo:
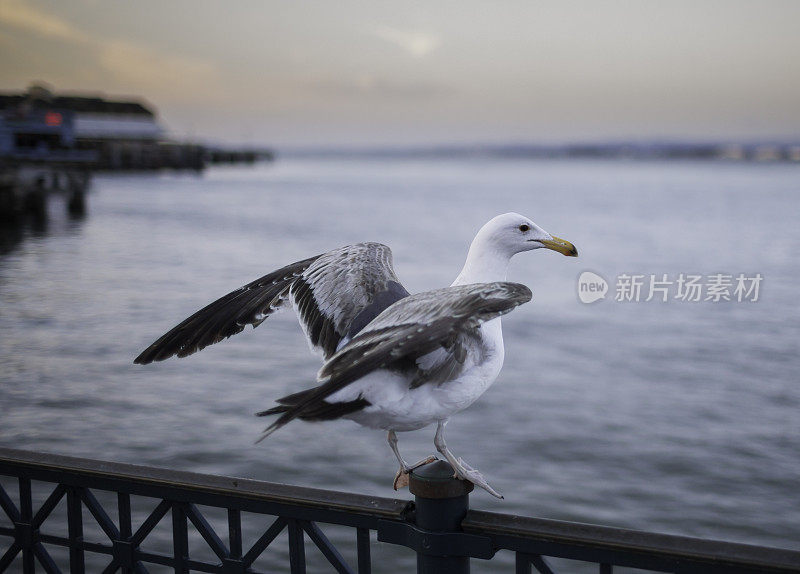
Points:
(499, 240)
(512, 233)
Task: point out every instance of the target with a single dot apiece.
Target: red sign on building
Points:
(53, 119)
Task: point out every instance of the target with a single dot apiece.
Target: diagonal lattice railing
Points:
(179, 494)
(298, 512)
(125, 545)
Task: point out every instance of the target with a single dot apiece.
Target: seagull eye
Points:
(523, 228)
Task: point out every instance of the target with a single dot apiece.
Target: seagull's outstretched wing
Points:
(335, 294)
(228, 315)
(407, 330)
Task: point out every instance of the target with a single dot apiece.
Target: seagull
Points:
(391, 360)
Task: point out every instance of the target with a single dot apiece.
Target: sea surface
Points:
(680, 417)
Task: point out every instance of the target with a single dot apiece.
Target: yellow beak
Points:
(561, 245)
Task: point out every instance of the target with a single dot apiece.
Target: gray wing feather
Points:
(423, 323)
(339, 288)
(228, 315)
(407, 330)
(329, 291)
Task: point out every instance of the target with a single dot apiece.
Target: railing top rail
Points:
(244, 488)
(508, 528)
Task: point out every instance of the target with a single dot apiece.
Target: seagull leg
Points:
(401, 478)
(462, 469)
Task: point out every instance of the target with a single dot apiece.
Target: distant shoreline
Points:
(747, 152)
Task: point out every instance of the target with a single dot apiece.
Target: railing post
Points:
(441, 502)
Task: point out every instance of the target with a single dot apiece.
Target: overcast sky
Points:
(333, 73)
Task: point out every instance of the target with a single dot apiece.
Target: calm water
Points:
(675, 417)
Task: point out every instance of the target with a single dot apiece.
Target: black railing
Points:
(438, 525)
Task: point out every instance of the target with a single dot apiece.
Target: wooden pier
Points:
(24, 190)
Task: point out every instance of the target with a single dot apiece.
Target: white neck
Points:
(485, 264)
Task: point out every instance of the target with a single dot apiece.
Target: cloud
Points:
(17, 14)
(151, 71)
(369, 86)
(132, 66)
(417, 44)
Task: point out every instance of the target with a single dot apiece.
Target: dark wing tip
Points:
(225, 317)
(177, 344)
(148, 356)
(154, 353)
(520, 293)
(151, 354)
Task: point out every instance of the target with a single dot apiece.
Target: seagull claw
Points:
(466, 472)
(402, 476)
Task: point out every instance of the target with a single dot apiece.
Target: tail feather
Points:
(273, 411)
(286, 403)
(313, 410)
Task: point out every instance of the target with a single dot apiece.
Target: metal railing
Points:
(438, 525)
